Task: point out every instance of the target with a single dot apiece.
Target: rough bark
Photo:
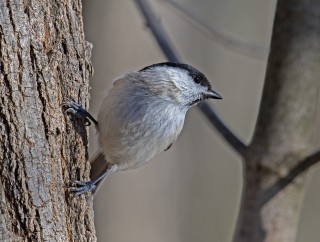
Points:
(44, 60)
(285, 126)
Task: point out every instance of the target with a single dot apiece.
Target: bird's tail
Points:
(99, 165)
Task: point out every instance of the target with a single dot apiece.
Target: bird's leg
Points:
(82, 186)
(77, 110)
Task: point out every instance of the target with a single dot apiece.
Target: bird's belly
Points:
(133, 131)
(134, 147)
(139, 151)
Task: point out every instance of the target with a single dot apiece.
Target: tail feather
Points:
(99, 165)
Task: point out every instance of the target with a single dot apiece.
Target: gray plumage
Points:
(143, 114)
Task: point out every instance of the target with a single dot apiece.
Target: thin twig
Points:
(283, 182)
(226, 40)
(226, 133)
(156, 28)
(169, 51)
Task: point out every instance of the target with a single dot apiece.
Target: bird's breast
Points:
(137, 131)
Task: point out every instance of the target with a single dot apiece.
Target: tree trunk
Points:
(285, 126)
(44, 60)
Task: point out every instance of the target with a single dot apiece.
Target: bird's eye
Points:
(198, 79)
(201, 80)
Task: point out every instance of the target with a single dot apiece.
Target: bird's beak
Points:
(212, 94)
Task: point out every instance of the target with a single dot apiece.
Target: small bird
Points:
(141, 116)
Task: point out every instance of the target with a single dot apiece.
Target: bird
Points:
(141, 116)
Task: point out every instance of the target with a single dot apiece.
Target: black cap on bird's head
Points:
(197, 77)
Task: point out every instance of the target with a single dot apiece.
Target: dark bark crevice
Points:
(40, 148)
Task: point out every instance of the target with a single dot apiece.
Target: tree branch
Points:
(170, 53)
(227, 41)
(283, 182)
(159, 33)
(224, 131)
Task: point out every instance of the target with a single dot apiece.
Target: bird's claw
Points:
(77, 110)
(81, 187)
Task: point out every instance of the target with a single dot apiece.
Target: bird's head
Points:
(177, 82)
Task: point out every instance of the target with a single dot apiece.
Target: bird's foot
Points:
(77, 110)
(82, 187)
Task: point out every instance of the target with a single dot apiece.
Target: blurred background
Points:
(191, 192)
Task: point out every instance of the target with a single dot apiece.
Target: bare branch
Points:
(156, 28)
(226, 133)
(226, 40)
(169, 51)
(283, 182)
